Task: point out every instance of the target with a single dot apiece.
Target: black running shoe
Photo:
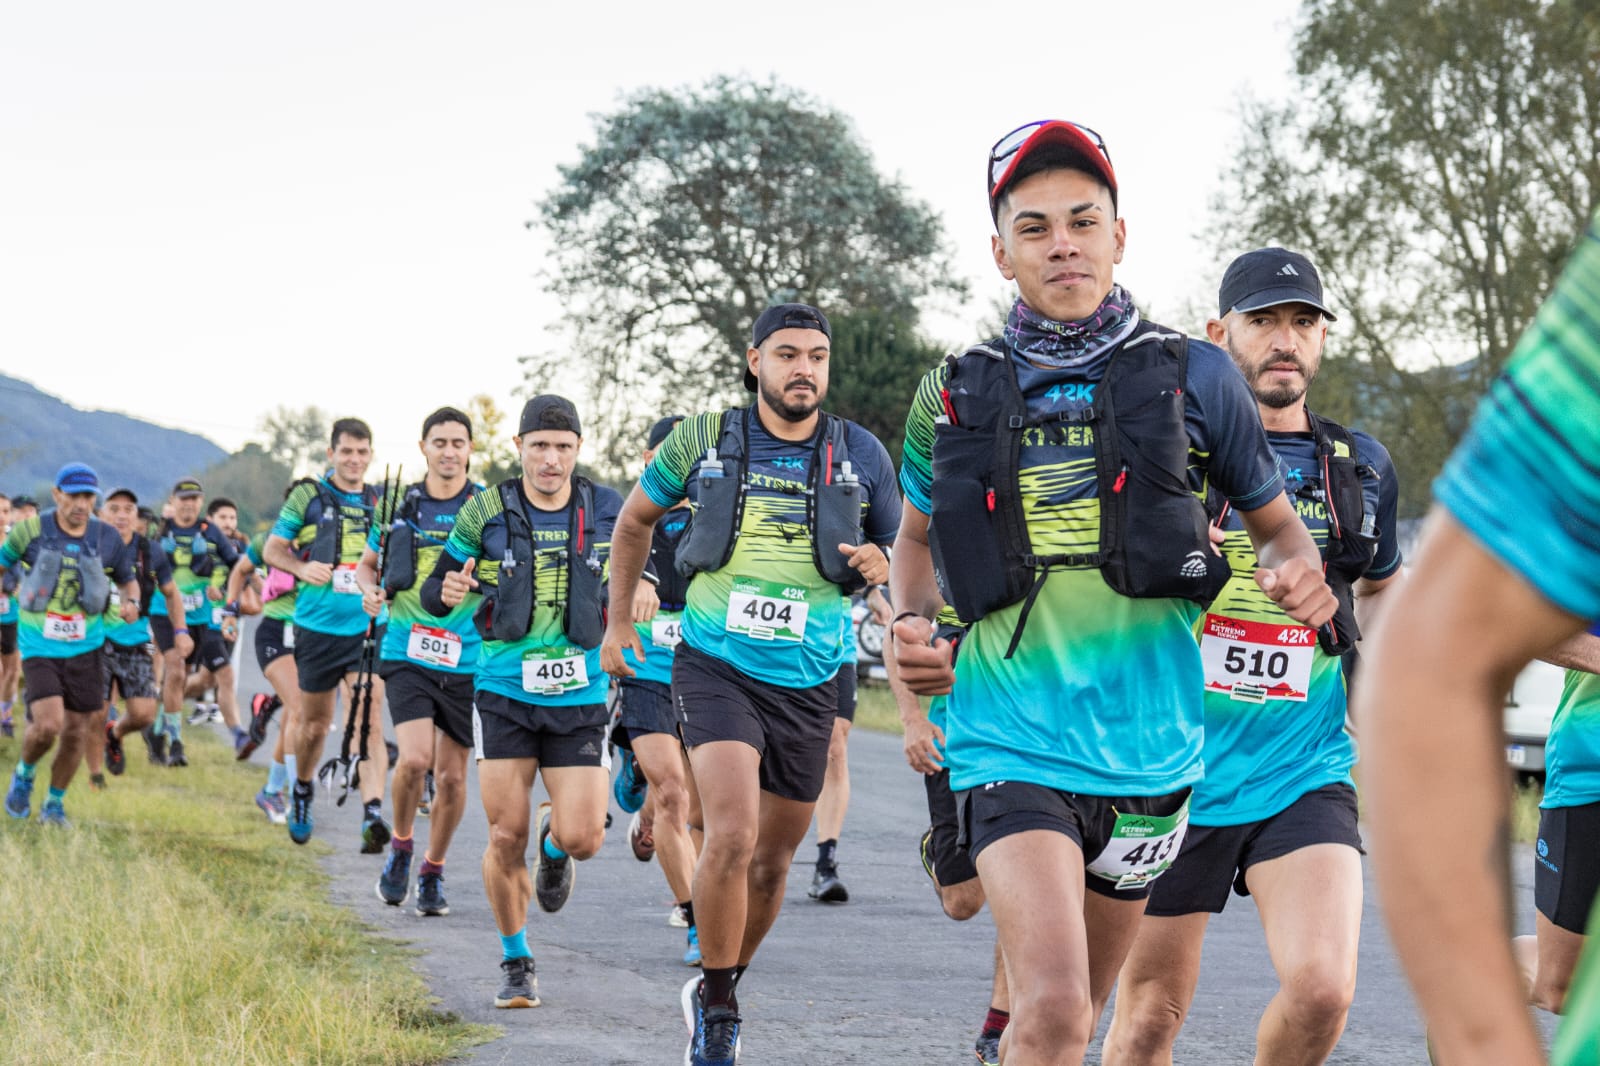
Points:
(262, 707)
(156, 742)
(519, 988)
(375, 834)
(430, 896)
(987, 1049)
(116, 761)
(175, 756)
(394, 883)
(552, 880)
(826, 886)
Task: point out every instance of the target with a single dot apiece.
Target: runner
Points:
(70, 561)
(1275, 815)
(274, 641)
(426, 664)
(1510, 561)
(319, 537)
(781, 526)
(224, 514)
(1060, 464)
(10, 657)
(539, 697)
(649, 728)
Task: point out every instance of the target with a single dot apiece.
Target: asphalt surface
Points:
(884, 979)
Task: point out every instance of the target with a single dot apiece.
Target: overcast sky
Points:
(210, 209)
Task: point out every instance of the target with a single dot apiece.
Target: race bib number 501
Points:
(1257, 661)
(767, 610)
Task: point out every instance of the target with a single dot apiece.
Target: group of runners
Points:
(1128, 567)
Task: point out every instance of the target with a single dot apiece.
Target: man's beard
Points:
(1280, 396)
(791, 410)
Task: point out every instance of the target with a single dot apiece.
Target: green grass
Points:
(1525, 811)
(875, 709)
(173, 924)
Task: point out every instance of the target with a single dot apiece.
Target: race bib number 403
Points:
(552, 671)
(767, 610)
(1257, 661)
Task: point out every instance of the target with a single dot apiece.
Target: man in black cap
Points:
(792, 508)
(1055, 476)
(536, 547)
(1275, 815)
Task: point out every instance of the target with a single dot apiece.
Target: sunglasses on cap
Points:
(1003, 157)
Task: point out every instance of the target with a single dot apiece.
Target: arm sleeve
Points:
(16, 543)
(666, 479)
(432, 591)
(916, 457)
(161, 565)
(227, 550)
(1386, 559)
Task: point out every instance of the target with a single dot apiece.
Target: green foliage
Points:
(494, 456)
(298, 438)
(1437, 161)
(255, 480)
(875, 366)
(692, 211)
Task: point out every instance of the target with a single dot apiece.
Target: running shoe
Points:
(203, 713)
(826, 886)
(97, 782)
(641, 837)
(156, 741)
(273, 806)
(552, 881)
(425, 804)
(713, 1034)
(519, 987)
(677, 917)
(175, 756)
(54, 814)
(394, 883)
(691, 957)
(630, 785)
(430, 896)
(987, 1049)
(243, 746)
(374, 834)
(116, 761)
(300, 814)
(263, 706)
(19, 797)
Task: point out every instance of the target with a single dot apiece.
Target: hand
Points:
(213, 594)
(1218, 538)
(620, 636)
(878, 604)
(458, 584)
(230, 627)
(869, 560)
(922, 742)
(1300, 590)
(923, 663)
(645, 601)
(129, 610)
(372, 600)
(316, 573)
(183, 644)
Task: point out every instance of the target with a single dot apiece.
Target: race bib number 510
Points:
(767, 610)
(1257, 661)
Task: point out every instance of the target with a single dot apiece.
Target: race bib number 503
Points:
(1257, 661)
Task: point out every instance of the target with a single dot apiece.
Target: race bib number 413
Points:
(1257, 661)
(1141, 847)
(767, 610)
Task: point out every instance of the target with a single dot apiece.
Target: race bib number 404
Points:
(1141, 847)
(552, 671)
(767, 610)
(1257, 661)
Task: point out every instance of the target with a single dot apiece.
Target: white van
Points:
(1530, 706)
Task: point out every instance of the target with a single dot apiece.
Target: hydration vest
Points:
(508, 614)
(39, 585)
(672, 588)
(201, 560)
(146, 573)
(328, 544)
(1153, 540)
(400, 548)
(833, 507)
(1352, 530)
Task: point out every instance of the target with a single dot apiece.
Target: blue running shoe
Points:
(630, 786)
(394, 884)
(714, 1033)
(300, 814)
(692, 956)
(54, 814)
(19, 797)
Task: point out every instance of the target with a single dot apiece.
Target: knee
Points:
(449, 784)
(1056, 1016)
(1318, 994)
(962, 901)
(671, 800)
(1148, 1020)
(1550, 992)
(729, 848)
(839, 747)
(582, 843)
(415, 762)
(508, 847)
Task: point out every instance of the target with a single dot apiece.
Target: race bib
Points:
(666, 632)
(5, 602)
(288, 636)
(1141, 847)
(435, 647)
(216, 617)
(193, 601)
(767, 610)
(344, 580)
(113, 605)
(65, 626)
(1257, 661)
(552, 671)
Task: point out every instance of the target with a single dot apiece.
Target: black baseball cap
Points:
(121, 491)
(659, 431)
(188, 487)
(1267, 277)
(784, 316)
(549, 411)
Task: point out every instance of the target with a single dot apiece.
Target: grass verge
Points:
(875, 709)
(173, 924)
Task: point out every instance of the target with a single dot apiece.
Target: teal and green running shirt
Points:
(1275, 701)
(10, 577)
(544, 667)
(334, 608)
(448, 644)
(64, 630)
(1103, 695)
(771, 577)
(1572, 751)
(281, 606)
(182, 545)
(660, 635)
(152, 569)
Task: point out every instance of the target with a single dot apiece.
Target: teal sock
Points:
(172, 725)
(515, 946)
(25, 770)
(551, 852)
(289, 765)
(276, 777)
(56, 796)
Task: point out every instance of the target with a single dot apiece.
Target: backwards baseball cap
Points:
(123, 491)
(1267, 277)
(1079, 145)
(188, 487)
(77, 477)
(784, 316)
(659, 431)
(548, 411)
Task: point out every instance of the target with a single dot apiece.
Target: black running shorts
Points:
(322, 660)
(414, 692)
(1215, 858)
(504, 728)
(789, 727)
(274, 640)
(846, 679)
(1005, 808)
(951, 863)
(1566, 864)
(8, 638)
(646, 707)
(130, 668)
(210, 651)
(77, 681)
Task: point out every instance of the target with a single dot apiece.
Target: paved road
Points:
(884, 979)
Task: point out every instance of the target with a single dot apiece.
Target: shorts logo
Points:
(588, 748)
(993, 784)
(1544, 849)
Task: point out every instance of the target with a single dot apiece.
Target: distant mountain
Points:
(39, 433)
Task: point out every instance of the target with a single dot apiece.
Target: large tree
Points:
(876, 364)
(694, 209)
(298, 438)
(1438, 161)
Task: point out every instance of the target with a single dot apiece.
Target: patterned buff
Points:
(1064, 345)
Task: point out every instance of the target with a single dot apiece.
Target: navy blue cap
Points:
(1267, 277)
(77, 477)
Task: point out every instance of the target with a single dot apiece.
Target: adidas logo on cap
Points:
(1288, 271)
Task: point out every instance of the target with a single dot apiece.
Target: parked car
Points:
(1530, 706)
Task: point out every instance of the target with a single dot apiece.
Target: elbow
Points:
(432, 596)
